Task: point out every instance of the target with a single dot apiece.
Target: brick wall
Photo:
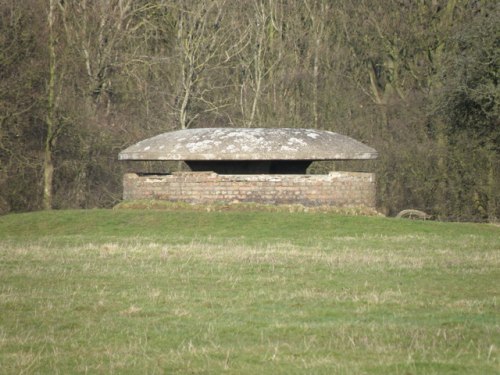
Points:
(341, 189)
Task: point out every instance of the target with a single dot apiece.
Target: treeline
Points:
(418, 80)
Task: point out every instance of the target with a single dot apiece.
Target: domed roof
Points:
(248, 144)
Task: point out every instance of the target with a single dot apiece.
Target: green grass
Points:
(162, 292)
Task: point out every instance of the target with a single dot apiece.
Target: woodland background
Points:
(80, 80)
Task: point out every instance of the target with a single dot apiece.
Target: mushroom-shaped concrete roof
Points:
(248, 144)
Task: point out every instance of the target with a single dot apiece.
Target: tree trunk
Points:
(48, 165)
(48, 173)
(258, 63)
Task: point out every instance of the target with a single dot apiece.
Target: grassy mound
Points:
(184, 291)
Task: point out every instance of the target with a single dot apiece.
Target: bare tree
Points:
(317, 13)
(258, 60)
(99, 32)
(205, 44)
(52, 126)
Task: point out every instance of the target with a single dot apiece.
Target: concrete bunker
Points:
(261, 165)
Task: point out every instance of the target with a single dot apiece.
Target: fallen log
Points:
(413, 214)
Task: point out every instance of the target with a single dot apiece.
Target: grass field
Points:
(167, 292)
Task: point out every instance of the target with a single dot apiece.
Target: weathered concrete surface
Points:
(248, 144)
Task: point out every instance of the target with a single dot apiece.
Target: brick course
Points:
(339, 189)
